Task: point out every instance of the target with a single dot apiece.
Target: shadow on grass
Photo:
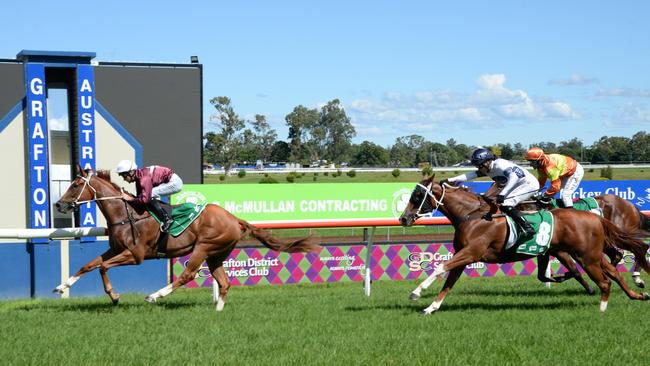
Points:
(469, 306)
(107, 307)
(540, 292)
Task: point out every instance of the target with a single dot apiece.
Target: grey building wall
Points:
(161, 107)
(12, 86)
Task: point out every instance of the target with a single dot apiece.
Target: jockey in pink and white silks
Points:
(520, 184)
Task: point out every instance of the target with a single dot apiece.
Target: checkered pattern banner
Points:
(253, 266)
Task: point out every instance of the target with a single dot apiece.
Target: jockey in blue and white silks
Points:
(519, 183)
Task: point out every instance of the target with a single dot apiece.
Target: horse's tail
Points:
(629, 240)
(305, 244)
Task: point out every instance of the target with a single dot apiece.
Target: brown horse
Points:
(476, 239)
(619, 211)
(133, 234)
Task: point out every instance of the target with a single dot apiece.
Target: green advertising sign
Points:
(262, 202)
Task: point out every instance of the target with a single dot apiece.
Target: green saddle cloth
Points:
(183, 216)
(539, 243)
(582, 204)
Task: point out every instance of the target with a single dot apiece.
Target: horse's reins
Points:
(86, 180)
(129, 216)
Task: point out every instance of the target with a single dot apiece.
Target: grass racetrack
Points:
(487, 321)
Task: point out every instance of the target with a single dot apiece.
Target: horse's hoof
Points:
(646, 296)
(424, 312)
(591, 291)
(59, 289)
(414, 296)
(639, 282)
(116, 301)
(150, 299)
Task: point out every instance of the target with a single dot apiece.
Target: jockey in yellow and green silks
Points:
(564, 173)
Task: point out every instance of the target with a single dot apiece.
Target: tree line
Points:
(326, 133)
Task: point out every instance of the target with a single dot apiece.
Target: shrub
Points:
(267, 180)
(395, 172)
(351, 173)
(241, 173)
(427, 171)
(222, 177)
(291, 178)
(326, 173)
(607, 173)
(591, 170)
(339, 172)
(315, 178)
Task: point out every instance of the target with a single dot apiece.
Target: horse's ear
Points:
(79, 171)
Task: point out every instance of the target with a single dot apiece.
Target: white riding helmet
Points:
(125, 166)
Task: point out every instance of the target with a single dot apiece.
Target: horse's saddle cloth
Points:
(581, 204)
(539, 243)
(183, 216)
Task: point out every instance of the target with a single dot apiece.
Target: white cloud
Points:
(58, 124)
(491, 104)
(575, 79)
(559, 110)
(623, 92)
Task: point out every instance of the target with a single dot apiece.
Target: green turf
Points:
(483, 321)
(369, 177)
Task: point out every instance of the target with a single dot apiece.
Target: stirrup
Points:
(164, 226)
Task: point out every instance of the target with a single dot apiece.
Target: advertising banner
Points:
(268, 202)
(261, 266)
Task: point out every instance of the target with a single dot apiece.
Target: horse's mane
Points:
(106, 175)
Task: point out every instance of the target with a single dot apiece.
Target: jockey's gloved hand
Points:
(500, 199)
(545, 199)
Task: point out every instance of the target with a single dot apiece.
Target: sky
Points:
(480, 72)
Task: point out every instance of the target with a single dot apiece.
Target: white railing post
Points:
(371, 238)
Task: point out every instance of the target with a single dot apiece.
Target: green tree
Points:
(572, 148)
(640, 145)
(226, 141)
(404, 152)
(611, 149)
(264, 137)
(247, 151)
(280, 152)
(300, 122)
(334, 132)
(369, 154)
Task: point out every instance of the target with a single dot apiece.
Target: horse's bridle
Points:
(86, 180)
(428, 191)
(130, 219)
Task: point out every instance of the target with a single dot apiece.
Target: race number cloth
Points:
(183, 216)
(582, 204)
(539, 243)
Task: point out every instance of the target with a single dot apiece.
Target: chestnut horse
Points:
(133, 234)
(622, 213)
(581, 233)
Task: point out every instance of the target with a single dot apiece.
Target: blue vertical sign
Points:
(86, 133)
(39, 202)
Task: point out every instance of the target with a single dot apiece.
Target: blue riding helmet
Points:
(480, 156)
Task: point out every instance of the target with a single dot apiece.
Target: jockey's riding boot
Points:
(165, 220)
(519, 219)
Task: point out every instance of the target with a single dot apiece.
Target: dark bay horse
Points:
(581, 233)
(133, 234)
